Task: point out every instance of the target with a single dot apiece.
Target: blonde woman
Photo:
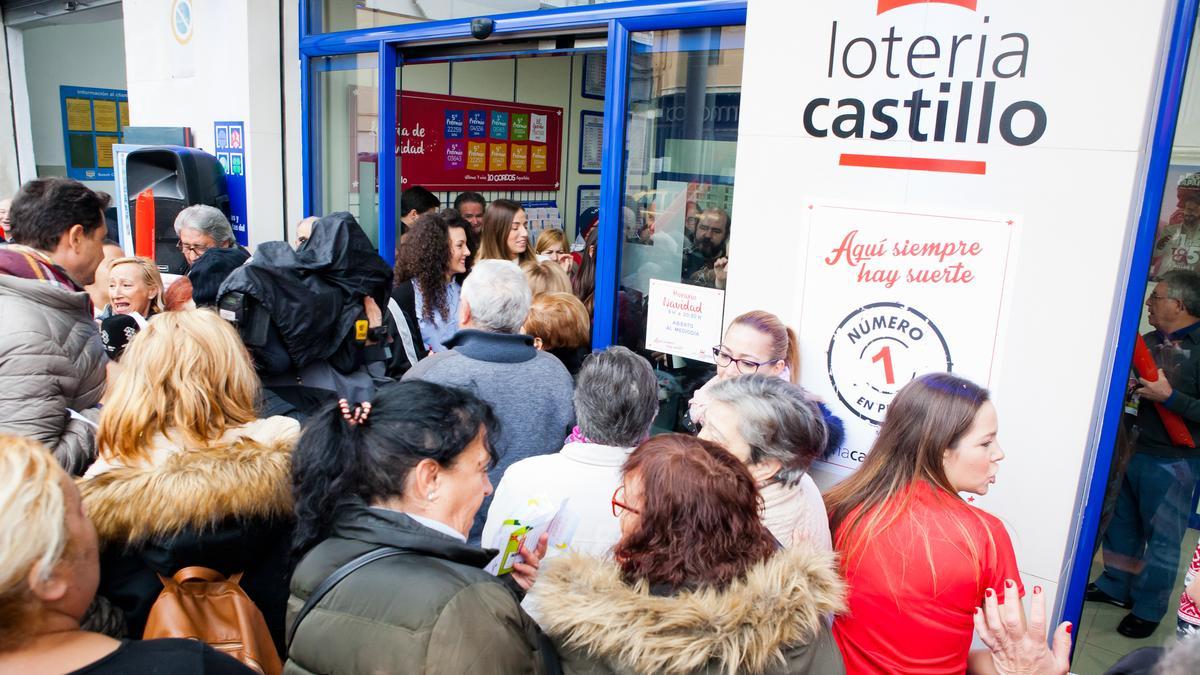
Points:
(48, 575)
(134, 285)
(188, 474)
(552, 246)
(546, 277)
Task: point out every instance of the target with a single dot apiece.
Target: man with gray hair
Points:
(616, 401)
(201, 227)
(1141, 544)
(529, 390)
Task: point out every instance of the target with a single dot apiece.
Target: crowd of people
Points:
(319, 435)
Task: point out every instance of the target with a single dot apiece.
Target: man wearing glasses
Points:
(1141, 544)
(201, 227)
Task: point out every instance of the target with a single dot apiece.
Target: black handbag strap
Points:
(336, 577)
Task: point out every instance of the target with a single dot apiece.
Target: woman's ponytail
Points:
(325, 469)
(792, 359)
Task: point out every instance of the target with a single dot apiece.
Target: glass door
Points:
(682, 102)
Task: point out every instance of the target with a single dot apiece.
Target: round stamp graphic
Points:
(879, 348)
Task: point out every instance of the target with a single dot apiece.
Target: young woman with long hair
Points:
(427, 289)
(919, 560)
(505, 234)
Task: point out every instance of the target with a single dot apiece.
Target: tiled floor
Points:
(1099, 645)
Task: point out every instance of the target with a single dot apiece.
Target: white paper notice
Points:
(684, 320)
(537, 128)
(890, 295)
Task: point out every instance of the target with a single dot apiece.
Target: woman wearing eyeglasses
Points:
(759, 342)
(696, 583)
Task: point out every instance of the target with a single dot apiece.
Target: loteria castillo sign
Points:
(966, 178)
(968, 76)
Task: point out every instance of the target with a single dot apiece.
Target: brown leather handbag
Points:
(200, 604)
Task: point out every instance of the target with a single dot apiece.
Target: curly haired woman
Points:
(424, 305)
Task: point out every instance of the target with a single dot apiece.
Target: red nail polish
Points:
(1009, 583)
(989, 593)
(1069, 627)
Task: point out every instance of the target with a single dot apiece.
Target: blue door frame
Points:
(1094, 477)
(619, 20)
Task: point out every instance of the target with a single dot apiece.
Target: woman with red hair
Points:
(697, 583)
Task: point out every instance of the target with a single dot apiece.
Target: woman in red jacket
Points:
(920, 561)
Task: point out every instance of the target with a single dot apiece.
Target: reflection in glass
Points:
(1146, 572)
(684, 100)
(329, 16)
(346, 126)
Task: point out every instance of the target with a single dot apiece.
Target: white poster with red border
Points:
(893, 293)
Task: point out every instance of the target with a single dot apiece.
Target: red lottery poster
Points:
(459, 143)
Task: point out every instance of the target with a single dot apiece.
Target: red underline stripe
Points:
(887, 5)
(915, 163)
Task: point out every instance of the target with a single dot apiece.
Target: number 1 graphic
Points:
(885, 355)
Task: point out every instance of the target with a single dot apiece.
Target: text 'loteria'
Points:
(968, 69)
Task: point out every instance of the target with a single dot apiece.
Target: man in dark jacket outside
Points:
(52, 363)
(529, 390)
(1142, 542)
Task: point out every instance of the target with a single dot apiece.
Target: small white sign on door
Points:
(684, 320)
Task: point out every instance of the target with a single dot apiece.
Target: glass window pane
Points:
(330, 16)
(681, 134)
(1145, 589)
(345, 121)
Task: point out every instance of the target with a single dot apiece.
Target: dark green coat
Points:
(433, 610)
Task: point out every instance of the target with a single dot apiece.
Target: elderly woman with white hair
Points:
(201, 227)
(777, 431)
(49, 570)
(616, 400)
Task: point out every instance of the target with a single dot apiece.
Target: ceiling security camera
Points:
(482, 28)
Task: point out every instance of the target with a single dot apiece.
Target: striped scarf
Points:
(24, 262)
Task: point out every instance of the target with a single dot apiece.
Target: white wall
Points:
(84, 55)
(10, 178)
(1076, 192)
(228, 70)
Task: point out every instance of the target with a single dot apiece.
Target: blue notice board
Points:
(92, 119)
(231, 153)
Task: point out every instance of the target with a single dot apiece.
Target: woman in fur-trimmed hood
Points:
(187, 474)
(697, 584)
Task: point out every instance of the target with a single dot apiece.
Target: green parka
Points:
(431, 610)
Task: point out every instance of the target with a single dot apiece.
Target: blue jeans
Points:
(1141, 544)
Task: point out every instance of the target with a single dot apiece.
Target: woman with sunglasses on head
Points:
(759, 342)
(696, 583)
(907, 541)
